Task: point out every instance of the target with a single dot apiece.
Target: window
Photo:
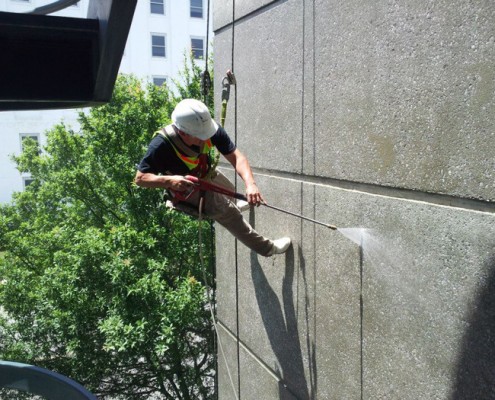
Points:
(158, 48)
(26, 181)
(196, 8)
(157, 7)
(197, 48)
(33, 136)
(159, 80)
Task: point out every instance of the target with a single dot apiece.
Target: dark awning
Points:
(50, 62)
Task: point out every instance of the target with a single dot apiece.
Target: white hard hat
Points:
(193, 117)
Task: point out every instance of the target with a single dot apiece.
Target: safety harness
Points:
(201, 163)
(198, 162)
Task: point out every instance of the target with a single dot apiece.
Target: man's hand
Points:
(173, 182)
(253, 195)
(242, 167)
(179, 183)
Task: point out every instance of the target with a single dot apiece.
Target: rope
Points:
(205, 76)
(208, 293)
(205, 88)
(207, 33)
(236, 244)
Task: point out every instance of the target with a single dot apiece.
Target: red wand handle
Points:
(204, 185)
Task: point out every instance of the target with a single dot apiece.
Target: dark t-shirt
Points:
(161, 158)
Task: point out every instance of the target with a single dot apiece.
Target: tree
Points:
(99, 281)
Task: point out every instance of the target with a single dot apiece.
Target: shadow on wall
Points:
(280, 322)
(476, 366)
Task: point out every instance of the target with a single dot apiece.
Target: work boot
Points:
(279, 246)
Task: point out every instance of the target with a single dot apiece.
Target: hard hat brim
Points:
(212, 129)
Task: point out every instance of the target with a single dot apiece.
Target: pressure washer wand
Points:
(333, 227)
(208, 186)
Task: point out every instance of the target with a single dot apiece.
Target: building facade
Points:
(162, 33)
(377, 117)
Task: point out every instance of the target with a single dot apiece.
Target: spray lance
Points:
(201, 185)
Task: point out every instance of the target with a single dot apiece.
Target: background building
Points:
(378, 117)
(162, 32)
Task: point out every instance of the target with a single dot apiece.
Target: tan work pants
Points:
(223, 210)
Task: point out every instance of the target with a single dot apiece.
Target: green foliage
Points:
(13, 394)
(98, 280)
(191, 76)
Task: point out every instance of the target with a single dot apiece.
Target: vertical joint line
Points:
(302, 83)
(313, 128)
(361, 316)
(236, 241)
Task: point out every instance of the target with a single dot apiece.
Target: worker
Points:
(183, 148)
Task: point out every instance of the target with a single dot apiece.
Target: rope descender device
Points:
(228, 79)
(205, 83)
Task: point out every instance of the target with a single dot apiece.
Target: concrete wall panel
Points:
(421, 267)
(395, 311)
(228, 372)
(397, 304)
(226, 273)
(222, 63)
(404, 94)
(268, 301)
(223, 10)
(222, 14)
(268, 384)
(268, 68)
(226, 277)
(245, 7)
(276, 302)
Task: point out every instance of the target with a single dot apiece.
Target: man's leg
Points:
(222, 180)
(226, 213)
(223, 210)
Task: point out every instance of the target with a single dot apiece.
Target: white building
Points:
(161, 33)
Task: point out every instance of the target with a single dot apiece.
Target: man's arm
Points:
(242, 167)
(150, 180)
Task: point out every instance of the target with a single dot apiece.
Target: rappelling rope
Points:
(205, 76)
(208, 294)
(236, 243)
(207, 34)
(205, 88)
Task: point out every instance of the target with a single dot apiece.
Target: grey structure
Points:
(36, 381)
(378, 117)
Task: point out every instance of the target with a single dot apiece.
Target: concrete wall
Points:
(378, 117)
